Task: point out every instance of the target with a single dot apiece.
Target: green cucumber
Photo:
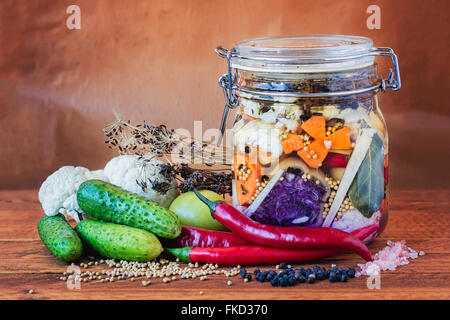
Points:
(107, 202)
(59, 237)
(119, 242)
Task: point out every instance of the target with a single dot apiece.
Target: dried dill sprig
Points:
(159, 140)
(161, 185)
(189, 178)
(149, 141)
(140, 139)
(168, 173)
(219, 182)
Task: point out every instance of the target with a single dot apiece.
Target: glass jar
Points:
(310, 145)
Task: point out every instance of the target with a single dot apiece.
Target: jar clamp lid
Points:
(301, 54)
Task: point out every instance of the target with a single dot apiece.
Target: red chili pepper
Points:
(196, 237)
(283, 237)
(255, 255)
(335, 160)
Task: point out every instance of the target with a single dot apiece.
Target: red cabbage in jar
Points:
(293, 201)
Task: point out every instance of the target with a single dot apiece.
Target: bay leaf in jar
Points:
(367, 189)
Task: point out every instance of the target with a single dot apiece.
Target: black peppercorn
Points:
(319, 275)
(332, 277)
(351, 272)
(291, 281)
(301, 278)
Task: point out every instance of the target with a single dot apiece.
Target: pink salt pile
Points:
(393, 255)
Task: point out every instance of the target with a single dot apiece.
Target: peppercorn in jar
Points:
(310, 145)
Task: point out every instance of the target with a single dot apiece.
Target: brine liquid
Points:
(324, 167)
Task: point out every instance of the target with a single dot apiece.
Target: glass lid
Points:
(308, 53)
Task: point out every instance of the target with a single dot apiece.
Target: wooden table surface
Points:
(422, 218)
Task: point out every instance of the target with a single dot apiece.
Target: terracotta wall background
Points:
(154, 60)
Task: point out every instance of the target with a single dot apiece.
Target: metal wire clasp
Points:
(226, 82)
(393, 81)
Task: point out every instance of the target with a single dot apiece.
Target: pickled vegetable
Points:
(302, 138)
(304, 182)
(247, 176)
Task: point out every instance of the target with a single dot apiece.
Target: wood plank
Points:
(33, 257)
(394, 285)
(420, 217)
(12, 200)
(21, 225)
(20, 221)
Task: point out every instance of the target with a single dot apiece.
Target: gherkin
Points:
(108, 202)
(59, 237)
(119, 242)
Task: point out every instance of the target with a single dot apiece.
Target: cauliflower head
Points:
(59, 189)
(125, 170)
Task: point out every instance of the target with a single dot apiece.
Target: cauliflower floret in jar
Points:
(269, 116)
(250, 107)
(330, 111)
(287, 125)
(353, 219)
(257, 133)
